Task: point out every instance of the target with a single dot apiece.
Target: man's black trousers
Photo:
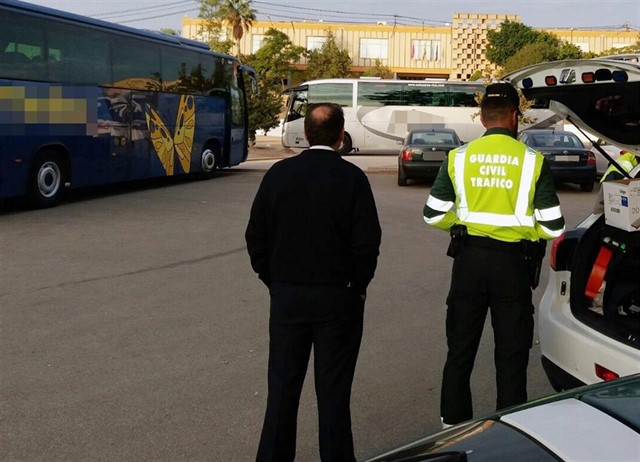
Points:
(329, 317)
(484, 278)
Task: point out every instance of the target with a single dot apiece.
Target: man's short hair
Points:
(323, 123)
(499, 100)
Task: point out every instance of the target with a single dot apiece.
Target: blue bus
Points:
(85, 102)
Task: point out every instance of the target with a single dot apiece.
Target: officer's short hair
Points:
(499, 100)
(323, 123)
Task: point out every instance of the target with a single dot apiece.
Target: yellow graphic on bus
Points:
(166, 145)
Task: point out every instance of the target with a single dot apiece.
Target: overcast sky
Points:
(158, 14)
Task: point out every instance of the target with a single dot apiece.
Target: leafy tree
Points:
(506, 41)
(539, 52)
(275, 59)
(237, 15)
(488, 78)
(329, 61)
(379, 71)
(513, 37)
(273, 63)
(169, 31)
(477, 75)
(264, 110)
(531, 53)
(566, 50)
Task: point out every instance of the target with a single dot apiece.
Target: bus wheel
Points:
(346, 146)
(47, 180)
(209, 162)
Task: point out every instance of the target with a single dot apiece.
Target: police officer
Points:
(497, 198)
(626, 161)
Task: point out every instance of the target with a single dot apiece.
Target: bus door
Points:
(113, 122)
(293, 127)
(238, 140)
(121, 117)
(239, 133)
(137, 163)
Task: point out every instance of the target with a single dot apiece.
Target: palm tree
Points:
(239, 15)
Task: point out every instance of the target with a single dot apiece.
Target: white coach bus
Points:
(378, 113)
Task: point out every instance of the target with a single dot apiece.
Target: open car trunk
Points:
(615, 310)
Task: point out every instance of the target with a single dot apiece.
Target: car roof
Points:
(608, 106)
(432, 130)
(548, 130)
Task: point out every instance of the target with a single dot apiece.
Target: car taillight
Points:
(554, 251)
(591, 160)
(407, 154)
(605, 374)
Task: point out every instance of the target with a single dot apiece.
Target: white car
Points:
(589, 316)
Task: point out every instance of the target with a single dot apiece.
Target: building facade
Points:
(453, 52)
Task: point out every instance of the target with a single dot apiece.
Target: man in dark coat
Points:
(313, 238)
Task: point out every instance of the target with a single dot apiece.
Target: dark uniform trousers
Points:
(485, 278)
(330, 318)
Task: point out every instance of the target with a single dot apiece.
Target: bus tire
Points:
(346, 146)
(47, 180)
(209, 162)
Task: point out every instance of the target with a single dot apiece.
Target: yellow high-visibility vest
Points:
(495, 178)
(626, 161)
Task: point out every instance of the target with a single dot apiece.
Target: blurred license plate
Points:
(567, 158)
(433, 155)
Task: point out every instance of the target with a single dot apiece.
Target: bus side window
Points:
(77, 54)
(21, 38)
(298, 107)
(135, 64)
(178, 67)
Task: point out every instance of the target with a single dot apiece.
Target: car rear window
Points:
(557, 140)
(433, 138)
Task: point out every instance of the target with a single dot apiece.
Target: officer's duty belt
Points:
(493, 244)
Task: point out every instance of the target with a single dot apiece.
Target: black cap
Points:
(503, 90)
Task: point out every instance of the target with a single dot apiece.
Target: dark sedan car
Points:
(423, 151)
(568, 159)
(596, 422)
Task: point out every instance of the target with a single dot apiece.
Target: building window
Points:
(315, 43)
(425, 50)
(374, 48)
(257, 40)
